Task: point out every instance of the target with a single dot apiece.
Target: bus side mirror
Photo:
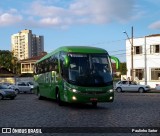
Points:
(66, 61)
(116, 60)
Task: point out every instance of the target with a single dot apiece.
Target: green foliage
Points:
(123, 68)
(8, 61)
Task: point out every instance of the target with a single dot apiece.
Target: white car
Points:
(131, 86)
(157, 88)
(22, 87)
(32, 84)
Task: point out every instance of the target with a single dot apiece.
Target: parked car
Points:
(22, 87)
(31, 84)
(157, 88)
(131, 86)
(5, 92)
(6, 83)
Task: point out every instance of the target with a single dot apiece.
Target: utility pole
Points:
(132, 69)
(145, 61)
(131, 42)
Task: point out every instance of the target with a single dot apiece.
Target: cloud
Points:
(103, 11)
(76, 12)
(155, 25)
(41, 9)
(9, 19)
(82, 12)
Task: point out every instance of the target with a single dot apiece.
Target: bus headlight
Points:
(74, 98)
(111, 90)
(110, 98)
(75, 91)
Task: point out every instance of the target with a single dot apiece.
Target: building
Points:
(27, 65)
(146, 56)
(26, 45)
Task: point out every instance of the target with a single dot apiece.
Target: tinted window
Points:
(124, 82)
(21, 84)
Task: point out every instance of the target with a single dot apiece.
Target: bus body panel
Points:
(87, 94)
(51, 81)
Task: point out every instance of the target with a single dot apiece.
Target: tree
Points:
(8, 61)
(123, 68)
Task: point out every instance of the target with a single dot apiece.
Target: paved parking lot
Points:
(127, 110)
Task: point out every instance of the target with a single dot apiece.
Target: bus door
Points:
(53, 83)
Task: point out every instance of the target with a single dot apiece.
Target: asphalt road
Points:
(127, 110)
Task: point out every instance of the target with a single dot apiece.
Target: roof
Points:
(153, 35)
(35, 58)
(75, 49)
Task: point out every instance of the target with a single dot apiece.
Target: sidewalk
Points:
(153, 90)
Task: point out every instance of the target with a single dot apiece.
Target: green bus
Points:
(75, 74)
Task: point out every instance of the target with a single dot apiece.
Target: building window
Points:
(155, 73)
(155, 48)
(137, 49)
(139, 73)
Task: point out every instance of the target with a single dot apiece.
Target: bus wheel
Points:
(94, 104)
(58, 98)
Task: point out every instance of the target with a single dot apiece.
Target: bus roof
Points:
(75, 49)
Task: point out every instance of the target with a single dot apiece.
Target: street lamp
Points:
(131, 42)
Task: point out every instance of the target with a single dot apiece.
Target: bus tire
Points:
(58, 98)
(94, 104)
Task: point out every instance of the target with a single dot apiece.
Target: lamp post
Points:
(131, 42)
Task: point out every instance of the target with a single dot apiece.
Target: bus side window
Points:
(64, 70)
(53, 63)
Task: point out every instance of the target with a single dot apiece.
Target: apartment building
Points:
(146, 56)
(26, 45)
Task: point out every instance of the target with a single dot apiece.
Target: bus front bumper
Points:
(87, 98)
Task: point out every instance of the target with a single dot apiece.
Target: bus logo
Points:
(6, 130)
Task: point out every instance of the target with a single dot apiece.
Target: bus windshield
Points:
(90, 70)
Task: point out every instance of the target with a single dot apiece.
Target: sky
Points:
(98, 23)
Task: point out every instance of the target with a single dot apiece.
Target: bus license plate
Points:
(93, 99)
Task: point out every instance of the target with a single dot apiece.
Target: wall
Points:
(152, 60)
(13, 80)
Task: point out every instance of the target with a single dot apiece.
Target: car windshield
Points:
(90, 70)
(3, 87)
(30, 83)
(133, 83)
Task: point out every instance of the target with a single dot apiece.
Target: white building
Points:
(149, 61)
(26, 45)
